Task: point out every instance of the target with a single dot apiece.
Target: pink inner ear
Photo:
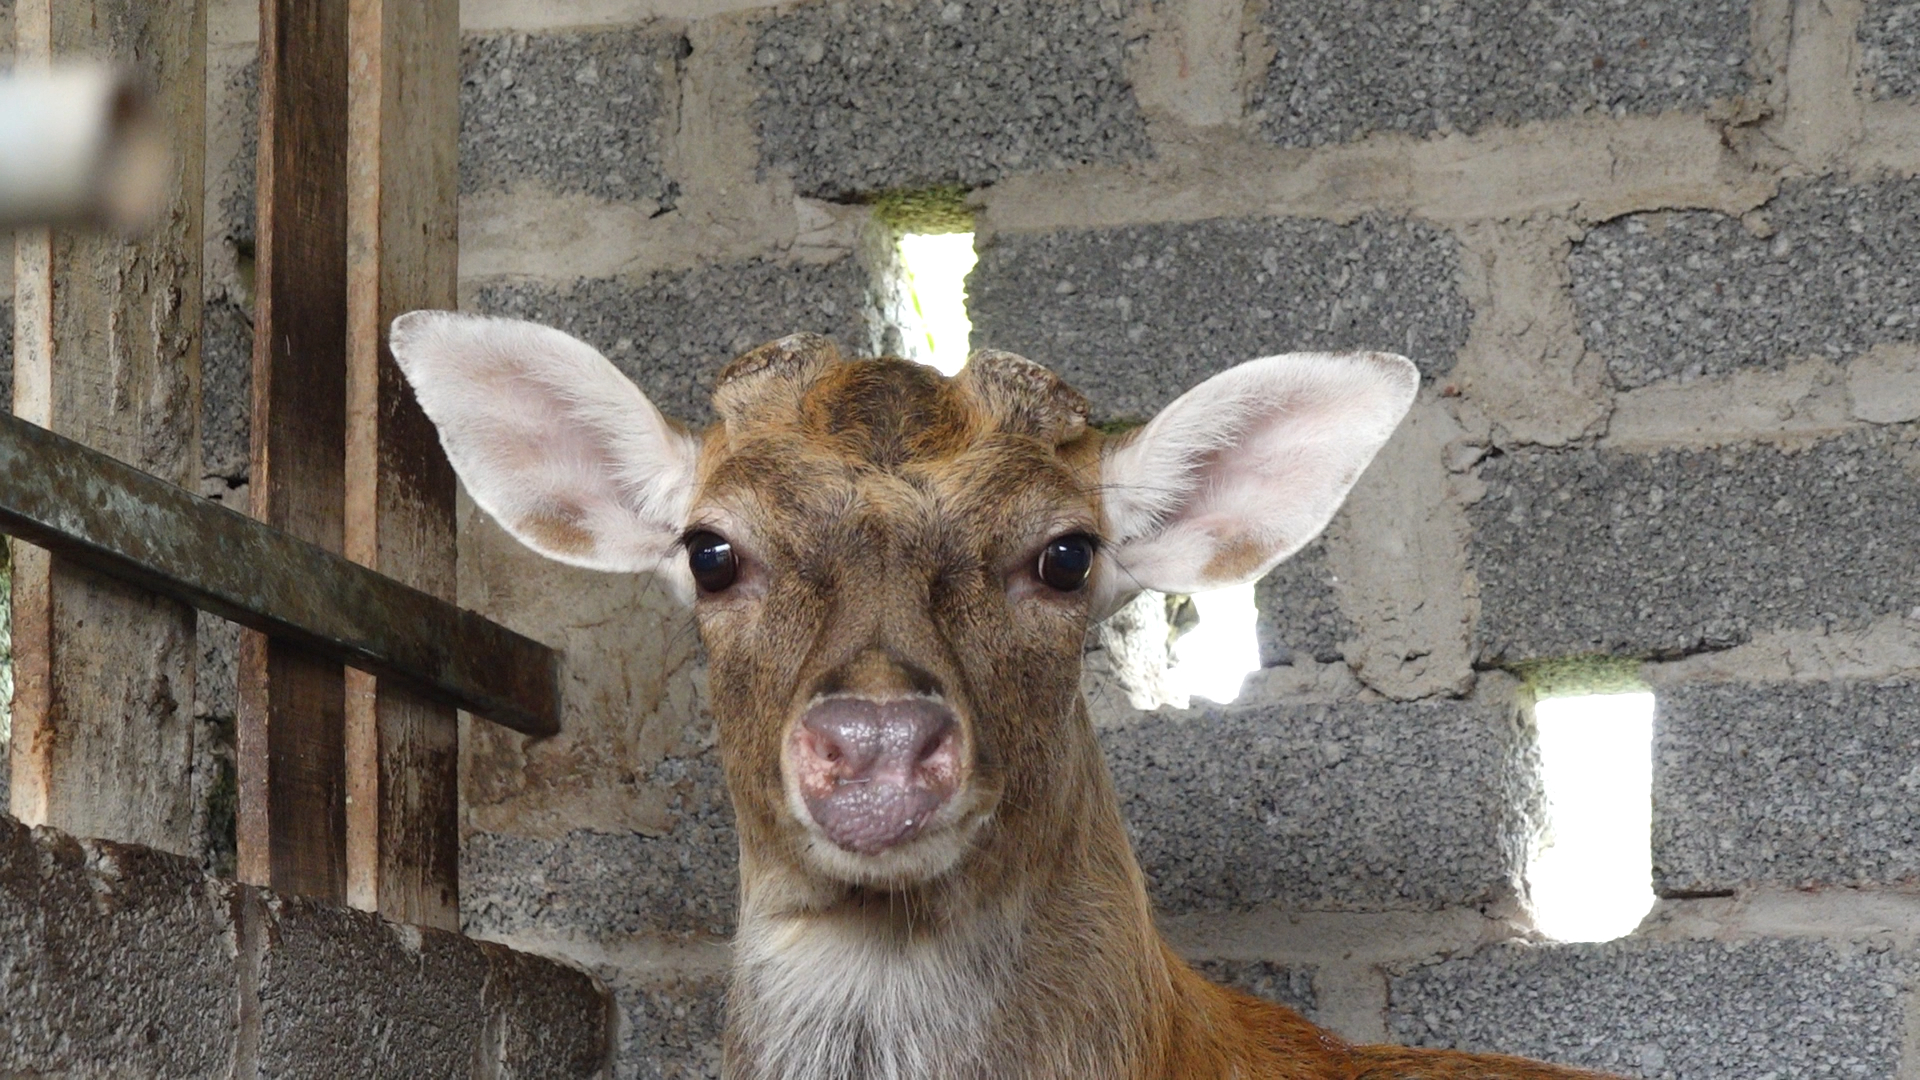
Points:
(549, 438)
(1250, 465)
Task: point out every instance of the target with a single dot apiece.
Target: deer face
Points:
(892, 570)
(893, 574)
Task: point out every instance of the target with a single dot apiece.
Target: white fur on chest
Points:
(835, 1001)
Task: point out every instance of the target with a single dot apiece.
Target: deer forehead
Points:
(809, 443)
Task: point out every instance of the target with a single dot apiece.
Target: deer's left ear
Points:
(1244, 469)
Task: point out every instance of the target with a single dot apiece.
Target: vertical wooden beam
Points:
(292, 766)
(402, 204)
(107, 352)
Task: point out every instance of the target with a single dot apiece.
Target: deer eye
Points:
(712, 561)
(1066, 562)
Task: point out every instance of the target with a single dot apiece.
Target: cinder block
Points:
(1833, 270)
(330, 978)
(1289, 985)
(1787, 784)
(860, 98)
(1133, 316)
(1697, 1010)
(1584, 551)
(611, 883)
(1343, 71)
(670, 1026)
(1356, 806)
(545, 1019)
(235, 104)
(586, 112)
(343, 993)
(114, 960)
(226, 392)
(673, 331)
(1890, 48)
(1300, 612)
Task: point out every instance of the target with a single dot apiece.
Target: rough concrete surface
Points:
(1889, 37)
(1884, 384)
(120, 960)
(1133, 316)
(1663, 554)
(1788, 784)
(672, 332)
(1668, 1011)
(344, 993)
(1828, 268)
(1355, 806)
(916, 93)
(1524, 374)
(632, 732)
(670, 1026)
(1399, 548)
(614, 883)
(588, 112)
(226, 391)
(1342, 71)
(1287, 984)
(1801, 402)
(233, 156)
(1299, 605)
(115, 960)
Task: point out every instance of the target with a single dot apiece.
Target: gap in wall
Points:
(934, 268)
(1590, 878)
(1213, 658)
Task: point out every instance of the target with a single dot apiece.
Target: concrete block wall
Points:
(1655, 262)
(126, 961)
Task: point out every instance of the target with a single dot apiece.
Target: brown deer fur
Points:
(888, 520)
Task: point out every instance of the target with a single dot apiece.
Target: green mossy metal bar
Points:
(120, 521)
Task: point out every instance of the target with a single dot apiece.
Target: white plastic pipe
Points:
(79, 145)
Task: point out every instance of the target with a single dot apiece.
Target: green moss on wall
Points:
(1573, 675)
(929, 210)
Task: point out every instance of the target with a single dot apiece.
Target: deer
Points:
(893, 573)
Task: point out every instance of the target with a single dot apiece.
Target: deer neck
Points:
(1036, 958)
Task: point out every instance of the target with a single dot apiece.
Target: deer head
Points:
(893, 573)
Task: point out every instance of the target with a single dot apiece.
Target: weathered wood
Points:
(292, 758)
(103, 516)
(107, 352)
(403, 775)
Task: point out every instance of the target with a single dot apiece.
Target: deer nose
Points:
(873, 771)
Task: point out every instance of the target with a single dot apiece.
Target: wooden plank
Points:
(292, 703)
(105, 517)
(107, 352)
(403, 775)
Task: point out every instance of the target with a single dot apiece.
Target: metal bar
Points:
(111, 517)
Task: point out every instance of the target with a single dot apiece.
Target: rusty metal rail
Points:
(115, 519)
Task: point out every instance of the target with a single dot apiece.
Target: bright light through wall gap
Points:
(1213, 659)
(1591, 878)
(936, 329)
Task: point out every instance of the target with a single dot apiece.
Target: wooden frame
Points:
(348, 780)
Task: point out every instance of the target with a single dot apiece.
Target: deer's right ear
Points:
(550, 439)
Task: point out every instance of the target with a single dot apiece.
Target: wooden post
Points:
(292, 766)
(402, 203)
(107, 352)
